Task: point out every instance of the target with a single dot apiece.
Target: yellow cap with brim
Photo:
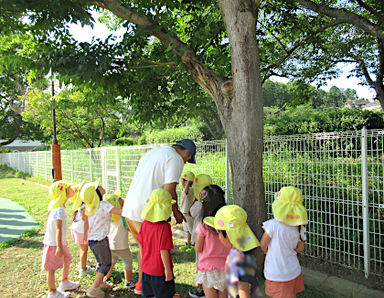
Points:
(233, 220)
(288, 207)
(76, 198)
(200, 182)
(114, 200)
(58, 193)
(89, 196)
(158, 207)
(187, 176)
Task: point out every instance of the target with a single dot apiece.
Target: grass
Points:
(20, 274)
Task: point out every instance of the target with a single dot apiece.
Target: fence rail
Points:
(341, 176)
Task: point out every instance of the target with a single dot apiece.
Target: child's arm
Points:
(265, 242)
(167, 266)
(189, 183)
(86, 224)
(59, 235)
(300, 246)
(199, 244)
(115, 210)
(244, 289)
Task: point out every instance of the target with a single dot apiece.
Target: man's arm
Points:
(171, 188)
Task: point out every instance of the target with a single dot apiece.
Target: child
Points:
(118, 240)
(98, 215)
(283, 238)
(212, 253)
(79, 231)
(186, 201)
(56, 253)
(155, 240)
(241, 267)
(196, 212)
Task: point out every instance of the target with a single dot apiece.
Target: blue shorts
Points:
(156, 286)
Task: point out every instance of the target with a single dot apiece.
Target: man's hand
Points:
(177, 214)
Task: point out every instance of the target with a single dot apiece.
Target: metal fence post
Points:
(90, 151)
(364, 172)
(117, 168)
(227, 192)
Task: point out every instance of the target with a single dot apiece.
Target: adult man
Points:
(159, 167)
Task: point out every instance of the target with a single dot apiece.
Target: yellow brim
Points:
(243, 238)
(155, 212)
(90, 209)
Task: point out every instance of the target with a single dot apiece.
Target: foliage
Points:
(304, 119)
(171, 135)
(124, 141)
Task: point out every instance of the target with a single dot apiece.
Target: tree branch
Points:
(344, 16)
(371, 10)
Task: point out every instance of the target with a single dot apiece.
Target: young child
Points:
(186, 201)
(79, 231)
(212, 253)
(283, 238)
(196, 212)
(155, 240)
(118, 240)
(241, 268)
(98, 216)
(56, 253)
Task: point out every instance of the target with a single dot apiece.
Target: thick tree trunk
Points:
(243, 117)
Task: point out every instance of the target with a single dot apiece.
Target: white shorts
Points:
(211, 279)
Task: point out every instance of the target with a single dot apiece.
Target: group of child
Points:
(225, 245)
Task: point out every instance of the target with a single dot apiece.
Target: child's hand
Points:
(189, 183)
(168, 275)
(59, 252)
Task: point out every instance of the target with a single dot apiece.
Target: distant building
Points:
(363, 104)
(22, 145)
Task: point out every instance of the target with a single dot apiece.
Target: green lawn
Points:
(20, 274)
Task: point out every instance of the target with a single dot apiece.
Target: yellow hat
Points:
(233, 220)
(76, 198)
(158, 207)
(58, 193)
(200, 182)
(288, 207)
(114, 200)
(89, 196)
(188, 176)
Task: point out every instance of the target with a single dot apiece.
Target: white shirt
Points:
(281, 262)
(118, 236)
(78, 223)
(159, 166)
(186, 200)
(197, 214)
(50, 231)
(100, 221)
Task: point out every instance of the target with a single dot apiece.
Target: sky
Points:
(101, 31)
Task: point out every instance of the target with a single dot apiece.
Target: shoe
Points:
(186, 246)
(196, 293)
(95, 292)
(191, 248)
(68, 285)
(106, 285)
(57, 293)
(129, 285)
(85, 272)
(138, 288)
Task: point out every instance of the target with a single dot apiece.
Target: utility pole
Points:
(55, 148)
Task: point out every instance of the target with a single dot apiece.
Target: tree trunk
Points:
(243, 116)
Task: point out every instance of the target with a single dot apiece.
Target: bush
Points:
(124, 141)
(173, 134)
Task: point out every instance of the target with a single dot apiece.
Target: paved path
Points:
(14, 220)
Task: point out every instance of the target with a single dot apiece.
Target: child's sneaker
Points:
(138, 288)
(129, 285)
(196, 293)
(95, 292)
(186, 246)
(106, 285)
(57, 294)
(85, 272)
(68, 285)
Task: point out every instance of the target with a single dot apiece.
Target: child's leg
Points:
(83, 256)
(128, 275)
(51, 280)
(189, 237)
(65, 272)
(210, 292)
(98, 280)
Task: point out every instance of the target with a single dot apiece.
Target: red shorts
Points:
(79, 237)
(284, 289)
(50, 261)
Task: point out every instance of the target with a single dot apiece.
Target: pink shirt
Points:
(214, 252)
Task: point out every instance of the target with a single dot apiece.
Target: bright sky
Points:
(100, 31)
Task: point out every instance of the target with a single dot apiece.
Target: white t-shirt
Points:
(281, 262)
(118, 236)
(100, 221)
(197, 214)
(186, 200)
(50, 231)
(78, 223)
(159, 166)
